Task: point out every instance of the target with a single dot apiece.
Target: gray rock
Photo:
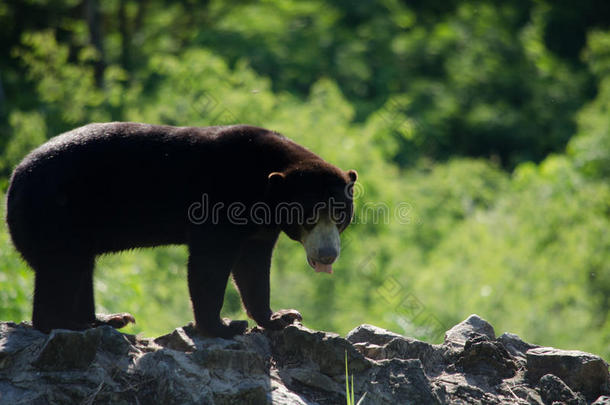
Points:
(244, 394)
(177, 340)
(522, 393)
(281, 394)
(112, 341)
(371, 351)
(314, 379)
(387, 345)
(515, 346)
(241, 361)
(399, 381)
(371, 335)
(432, 357)
(165, 376)
(471, 327)
(484, 356)
(295, 366)
(552, 390)
(603, 400)
(67, 350)
(582, 372)
(15, 339)
(325, 351)
(10, 394)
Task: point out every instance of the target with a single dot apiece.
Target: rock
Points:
(603, 400)
(67, 350)
(471, 327)
(371, 335)
(487, 357)
(314, 379)
(324, 351)
(246, 395)
(177, 340)
(552, 390)
(399, 382)
(15, 339)
(280, 394)
(371, 351)
(394, 346)
(295, 366)
(582, 372)
(241, 361)
(11, 394)
(515, 346)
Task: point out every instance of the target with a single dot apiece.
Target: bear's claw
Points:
(284, 317)
(117, 321)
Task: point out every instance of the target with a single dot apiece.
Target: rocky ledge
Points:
(293, 366)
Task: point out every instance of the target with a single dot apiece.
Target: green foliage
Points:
(455, 114)
(591, 146)
(482, 71)
(152, 287)
(68, 87)
(29, 131)
(497, 83)
(475, 79)
(535, 259)
(16, 281)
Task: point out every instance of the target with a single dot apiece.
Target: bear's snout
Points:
(327, 255)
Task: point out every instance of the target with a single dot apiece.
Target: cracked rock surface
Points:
(293, 366)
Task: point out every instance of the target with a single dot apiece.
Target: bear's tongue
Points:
(321, 267)
(326, 268)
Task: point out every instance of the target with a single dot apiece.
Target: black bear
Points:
(226, 192)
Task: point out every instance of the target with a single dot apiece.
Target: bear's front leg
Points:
(251, 275)
(211, 257)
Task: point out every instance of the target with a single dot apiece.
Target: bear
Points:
(226, 192)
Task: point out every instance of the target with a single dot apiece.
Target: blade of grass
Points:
(352, 396)
(349, 400)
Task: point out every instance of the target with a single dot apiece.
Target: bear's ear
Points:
(275, 178)
(353, 175)
(275, 186)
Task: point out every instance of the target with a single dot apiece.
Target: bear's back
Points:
(137, 180)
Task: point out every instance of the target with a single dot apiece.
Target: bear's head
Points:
(313, 204)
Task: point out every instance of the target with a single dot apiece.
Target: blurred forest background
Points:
(480, 131)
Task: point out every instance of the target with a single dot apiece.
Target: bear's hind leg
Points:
(63, 293)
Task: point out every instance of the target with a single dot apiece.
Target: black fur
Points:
(110, 187)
